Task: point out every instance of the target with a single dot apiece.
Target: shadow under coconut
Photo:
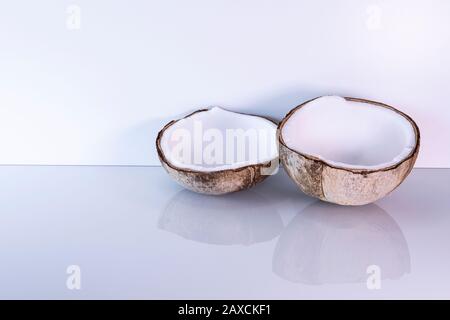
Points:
(241, 218)
(326, 243)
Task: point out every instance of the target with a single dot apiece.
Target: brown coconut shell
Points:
(345, 186)
(214, 182)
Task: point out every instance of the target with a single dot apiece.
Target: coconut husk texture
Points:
(215, 182)
(345, 186)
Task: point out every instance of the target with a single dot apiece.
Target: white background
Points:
(98, 95)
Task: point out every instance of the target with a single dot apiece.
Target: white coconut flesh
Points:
(219, 139)
(350, 134)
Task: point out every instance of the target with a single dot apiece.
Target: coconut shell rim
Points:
(349, 169)
(191, 171)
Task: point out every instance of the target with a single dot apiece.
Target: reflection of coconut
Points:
(237, 218)
(247, 165)
(334, 244)
(346, 150)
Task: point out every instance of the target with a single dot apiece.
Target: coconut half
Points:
(215, 151)
(348, 151)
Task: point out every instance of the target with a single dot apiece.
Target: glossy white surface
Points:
(136, 234)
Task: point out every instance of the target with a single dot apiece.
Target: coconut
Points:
(216, 151)
(348, 151)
